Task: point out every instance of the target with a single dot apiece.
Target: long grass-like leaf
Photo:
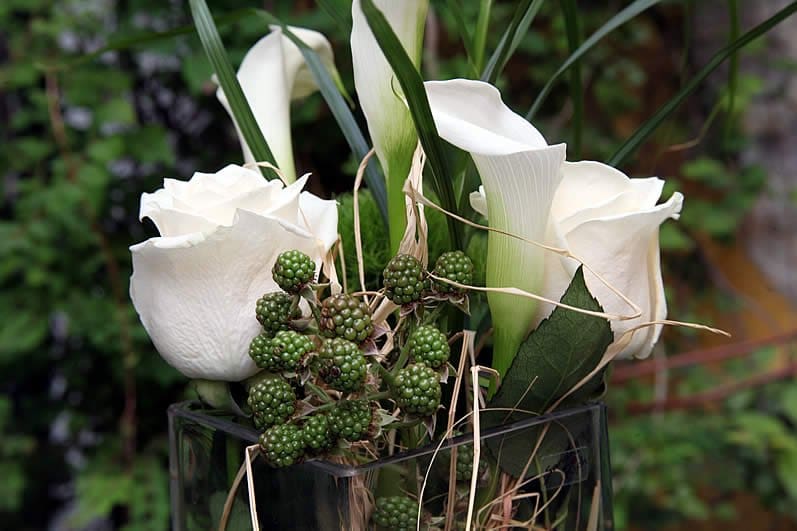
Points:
(570, 14)
(480, 34)
(641, 134)
(340, 110)
(339, 11)
(633, 9)
(412, 85)
(518, 26)
(211, 42)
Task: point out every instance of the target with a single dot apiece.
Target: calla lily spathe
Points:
(520, 173)
(195, 286)
(612, 223)
(389, 122)
(272, 74)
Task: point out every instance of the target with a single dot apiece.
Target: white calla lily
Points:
(520, 173)
(272, 74)
(195, 286)
(389, 122)
(612, 223)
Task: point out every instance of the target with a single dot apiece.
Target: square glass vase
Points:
(562, 458)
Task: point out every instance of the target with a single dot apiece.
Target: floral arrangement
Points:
(242, 285)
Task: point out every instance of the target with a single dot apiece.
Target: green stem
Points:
(326, 407)
(396, 211)
(506, 342)
(317, 391)
(386, 375)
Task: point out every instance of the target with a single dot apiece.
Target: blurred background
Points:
(703, 434)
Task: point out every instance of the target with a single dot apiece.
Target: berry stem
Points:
(316, 313)
(294, 305)
(317, 391)
(386, 375)
(326, 407)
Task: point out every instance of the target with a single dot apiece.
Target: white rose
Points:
(612, 223)
(195, 286)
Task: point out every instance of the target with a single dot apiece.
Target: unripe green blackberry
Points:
(274, 312)
(284, 352)
(272, 401)
(345, 316)
(429, 346)
(403, 279)
(317, 437)
(396, 513)
(465, 463)
(456, 266)
(342, 365)
(293, 270)
(282, 445)
(417, 390)
(351, 420)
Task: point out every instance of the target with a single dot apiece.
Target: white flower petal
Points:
(475, 119)
(389, 123)
(592, 190)
(320, 216)
(478, 201)
(272, 73)
(196, 296)
(624, 249)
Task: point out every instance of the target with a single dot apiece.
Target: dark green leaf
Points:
(563, 349)
(668, 108)
(613, 23)
(412, 84)
(211, 42)
(524, 15)
(558, 354)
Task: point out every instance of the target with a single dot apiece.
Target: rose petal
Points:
(196, 294)
(624, 249)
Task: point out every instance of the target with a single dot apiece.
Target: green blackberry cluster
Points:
(273, 310)
(351, 420)
(316, 392)
(272, 401)
(316, 433)
(282, 445)
(284, 352)
(396, 513)
(403, 279)
(456, 266)
(342, 365)
(345, 316)
(429, 346)
(293, 270)
(465, 463)
(417, 390)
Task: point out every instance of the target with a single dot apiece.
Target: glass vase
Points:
(546, 472)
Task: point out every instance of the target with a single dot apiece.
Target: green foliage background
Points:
(83, 394)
